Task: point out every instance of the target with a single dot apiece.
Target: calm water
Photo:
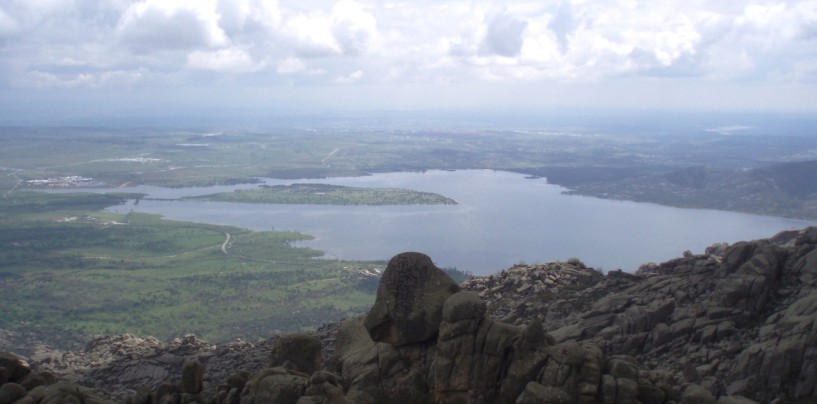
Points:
(502, 219)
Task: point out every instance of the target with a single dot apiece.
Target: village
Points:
(71, 181)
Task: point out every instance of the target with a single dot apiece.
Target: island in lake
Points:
(325, 194)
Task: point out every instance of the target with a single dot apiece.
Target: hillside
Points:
(783, 189)
(690, 330)
(69, 270)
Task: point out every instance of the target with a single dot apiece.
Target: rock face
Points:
(713, 319)
(472, 358)
(18, 384)
(733, 325)
(409, 300)
(298, 351)
(118, 366)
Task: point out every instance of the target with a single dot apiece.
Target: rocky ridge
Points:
(737, 322)
(738, 319)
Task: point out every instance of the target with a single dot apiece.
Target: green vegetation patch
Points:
(25, 202)
(69, 271)
(324, 194)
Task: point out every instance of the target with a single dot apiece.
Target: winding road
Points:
(226, 244)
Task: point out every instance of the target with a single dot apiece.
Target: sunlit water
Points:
(502, 218)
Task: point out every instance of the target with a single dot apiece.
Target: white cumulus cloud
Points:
(149, 26)
(248, 17)
(313, 43)
(347, 29)
(354, 29)
(310, 35)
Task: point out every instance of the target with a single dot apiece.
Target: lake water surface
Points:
(502, 218)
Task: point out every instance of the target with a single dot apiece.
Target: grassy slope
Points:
(108, 273)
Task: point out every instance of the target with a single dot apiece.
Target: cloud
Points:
(108, 79)
(562, 23)
(347, 30)
(247, 17)
(290, 65)
(161, 44)
(223, 60)
(310, 36)
(629, 40)
(150, 26)
(8, 26)
(762, 42)
(354, 29)
(315, 72)
(357, 75)
(504, 36)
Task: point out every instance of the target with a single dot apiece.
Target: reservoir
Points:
(501, 219)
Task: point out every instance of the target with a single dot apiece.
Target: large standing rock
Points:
(409, 303)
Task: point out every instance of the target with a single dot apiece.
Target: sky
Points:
(64, 57)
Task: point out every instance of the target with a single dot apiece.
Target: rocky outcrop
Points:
(735, 324)
(18, 384)
(118, 366)
(472, 358)
(409, 300)
(712, 320)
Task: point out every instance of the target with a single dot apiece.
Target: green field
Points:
(69, 270)
(324, 194)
